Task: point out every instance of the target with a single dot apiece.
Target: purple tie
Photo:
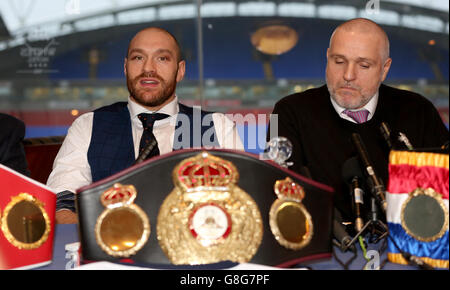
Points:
(358, 116)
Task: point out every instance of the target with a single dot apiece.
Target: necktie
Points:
(148, 120)
(358, 116)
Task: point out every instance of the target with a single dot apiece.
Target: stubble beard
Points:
(349, 102)
(147, 98)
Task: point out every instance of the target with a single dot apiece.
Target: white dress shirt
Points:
(71, 168)
(371, 106)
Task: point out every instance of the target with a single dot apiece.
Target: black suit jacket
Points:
(12, 153)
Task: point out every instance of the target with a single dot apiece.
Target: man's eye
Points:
(338, 61)
(163, 58)
(137, 57)
(364, 65)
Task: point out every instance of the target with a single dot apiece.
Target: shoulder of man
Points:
(10, 123)
(184, 109)
(403, 97)
(112, 108)
(306, 98)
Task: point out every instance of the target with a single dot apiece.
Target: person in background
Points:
(12, 154)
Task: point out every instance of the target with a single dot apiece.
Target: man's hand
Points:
(66, 216)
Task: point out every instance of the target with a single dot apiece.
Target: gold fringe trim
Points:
(398, 259)
(419, 159)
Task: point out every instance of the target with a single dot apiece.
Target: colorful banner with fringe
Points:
(417, 212)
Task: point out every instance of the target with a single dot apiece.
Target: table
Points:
(68, 233)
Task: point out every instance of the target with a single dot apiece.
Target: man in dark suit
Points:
(320, 122)
(12, 153)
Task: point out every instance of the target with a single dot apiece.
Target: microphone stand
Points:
(349, 261)
(378, 229)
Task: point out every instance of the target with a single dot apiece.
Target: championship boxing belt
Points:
(193, 207)
(27, 218)
(417, 212)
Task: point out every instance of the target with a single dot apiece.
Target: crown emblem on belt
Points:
(205, 171)
(289, 190)
(118, 195)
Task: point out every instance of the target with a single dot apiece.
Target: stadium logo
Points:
(38, 57)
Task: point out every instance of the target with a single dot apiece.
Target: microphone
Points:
(352, 174)
(415, 261)
(411, 259)
(146, 151)
(340, 234)
(402, 138)
(386, 133)
(445, 146)
(377, 185)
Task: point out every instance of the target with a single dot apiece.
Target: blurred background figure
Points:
(12, 154)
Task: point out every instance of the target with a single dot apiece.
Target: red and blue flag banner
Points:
(417, 207)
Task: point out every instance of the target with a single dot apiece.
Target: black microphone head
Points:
(350, 169)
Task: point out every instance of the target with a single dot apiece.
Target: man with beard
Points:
(111, 138)
(319, 122)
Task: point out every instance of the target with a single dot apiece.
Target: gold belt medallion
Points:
(123, 227)
(290, 222)
(25, 223)
(207, 218)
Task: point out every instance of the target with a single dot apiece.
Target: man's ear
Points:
(125, 66)
(386, 67)
(181, 70)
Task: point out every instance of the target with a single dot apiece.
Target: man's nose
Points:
(350, 72)
(149, 67)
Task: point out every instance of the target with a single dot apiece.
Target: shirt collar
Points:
(371, 106)
(135, 109)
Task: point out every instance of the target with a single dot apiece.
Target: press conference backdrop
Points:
(60, 59)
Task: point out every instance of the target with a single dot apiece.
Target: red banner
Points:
(27, 218)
